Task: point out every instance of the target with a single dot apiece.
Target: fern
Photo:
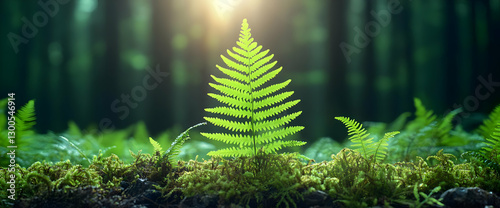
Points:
(489, 155)
(255, 108)
(422, 114)
(381, 146)
(428, 200)
(77, 149)
(446, 124)
(423, 117)
(175, 147)
(157, 147)
(489, 125)
(492, 142)
(367, 147)
(25, 120)
(482, 159)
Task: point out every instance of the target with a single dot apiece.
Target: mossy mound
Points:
(266, 180)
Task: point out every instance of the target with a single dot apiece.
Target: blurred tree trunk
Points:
(161, 46)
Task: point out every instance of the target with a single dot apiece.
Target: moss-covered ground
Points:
(274, 180)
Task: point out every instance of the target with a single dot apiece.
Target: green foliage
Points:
(260, 181)
(25, 120)
(175, 148)
(428, 200)
(155, 144)
(42, 179)
(493, 142)
(25, 139)
(489, 125)
(275, 180)
(379, 128)
(427, 133)
(141, 131)
(483, 160)
(78, 149)
(423, 117)
(255, 109)
(367, 147)
(489, 155)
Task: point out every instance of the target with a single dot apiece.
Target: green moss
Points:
(262, 179)
(351, 179)
(42, 178)
(267, 180)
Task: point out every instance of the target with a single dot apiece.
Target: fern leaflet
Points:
(25, 119)
(492, 142)
(156, 145)
(381, 146)
(257, 108)
(423, 117)
(367, 147)
(175, 147)
(489, 125)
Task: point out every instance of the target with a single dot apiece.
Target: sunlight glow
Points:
(225, 8)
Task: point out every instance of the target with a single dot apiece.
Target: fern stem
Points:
(252, 120)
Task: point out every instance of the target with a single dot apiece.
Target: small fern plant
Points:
(370, 150)
(175, 147)
(25, 120)
(253, 110)
(493, 143)
(489, 155)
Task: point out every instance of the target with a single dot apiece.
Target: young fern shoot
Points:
(367, 148)
(255, 108)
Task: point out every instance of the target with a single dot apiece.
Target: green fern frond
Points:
(231, 92)
(231, 125)
(275, 146)
(271, 100)
(492, 141)
(157, 147)
(357, 135)
(273, 88)
(228, 111)
(489, 125)
(278, 134)
(175, 148)
(445, 125)
(257, 107)
(268, 125)
(233, 74)
(232, 84)
(25, 119)
(422, 114)
(483, 159)
(237, 139)
(232, 102)
(274, 110)
(380, 148)
(423, 117)
(232, 152)
(367, 148)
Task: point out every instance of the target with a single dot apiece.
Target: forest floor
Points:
(274, 180)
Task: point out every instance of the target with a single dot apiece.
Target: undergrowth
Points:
(408, 167)
(276, 180)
